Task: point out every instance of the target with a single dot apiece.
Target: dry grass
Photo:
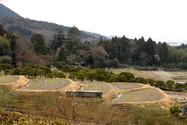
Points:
(141, 95)
(165, 101)
(48, 84)
(97, 86)
(109, 92)
(126, 86)
(163, 74)
(8, 79)
(22, 81)
(74, 110)
(54, 85)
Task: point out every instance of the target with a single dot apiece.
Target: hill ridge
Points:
(7, 11)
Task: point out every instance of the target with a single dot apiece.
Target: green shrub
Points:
(174, 109)
(140, 80)
(50, 76)
(60, 75)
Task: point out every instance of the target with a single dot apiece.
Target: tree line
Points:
(19, 51)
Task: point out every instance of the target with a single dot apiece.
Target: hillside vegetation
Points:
(27, 27)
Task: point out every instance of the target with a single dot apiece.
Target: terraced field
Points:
(141, 95)
(49, 84)
(126, 86)
(97, 86)
(8, 79)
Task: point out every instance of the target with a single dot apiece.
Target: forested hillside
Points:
(27, 27)
(139, 52)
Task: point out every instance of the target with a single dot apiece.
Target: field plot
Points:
(8, 79)
(97, 86)
(49, 84)
(126, 86)
(164, 74)
(141, 96)
(151, 74)
(118, 71)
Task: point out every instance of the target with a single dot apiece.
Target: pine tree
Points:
(58, 39)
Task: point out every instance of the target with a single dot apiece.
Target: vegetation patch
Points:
(141, 95)
(126, 86)
(8, 79)
(48, 84)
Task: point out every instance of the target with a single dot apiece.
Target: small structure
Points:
(183, 102)
(81, 93)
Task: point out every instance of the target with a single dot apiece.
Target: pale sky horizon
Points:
(164, 19)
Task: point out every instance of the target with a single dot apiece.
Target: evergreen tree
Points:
(74, 50)
(58, 39)
(38, 42)
(164, 53)
(62, 55)
(75, 35)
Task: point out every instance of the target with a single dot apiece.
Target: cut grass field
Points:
(8, 79)
(126, 86)
(97, 86)
(49, 84)
(141, 96)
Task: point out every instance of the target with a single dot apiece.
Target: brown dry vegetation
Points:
(73, 110)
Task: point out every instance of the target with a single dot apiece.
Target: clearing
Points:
(141, 96)
(97, 86)
(8, 79)
(48, 84)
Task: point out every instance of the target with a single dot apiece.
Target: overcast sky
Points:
(132, 18)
